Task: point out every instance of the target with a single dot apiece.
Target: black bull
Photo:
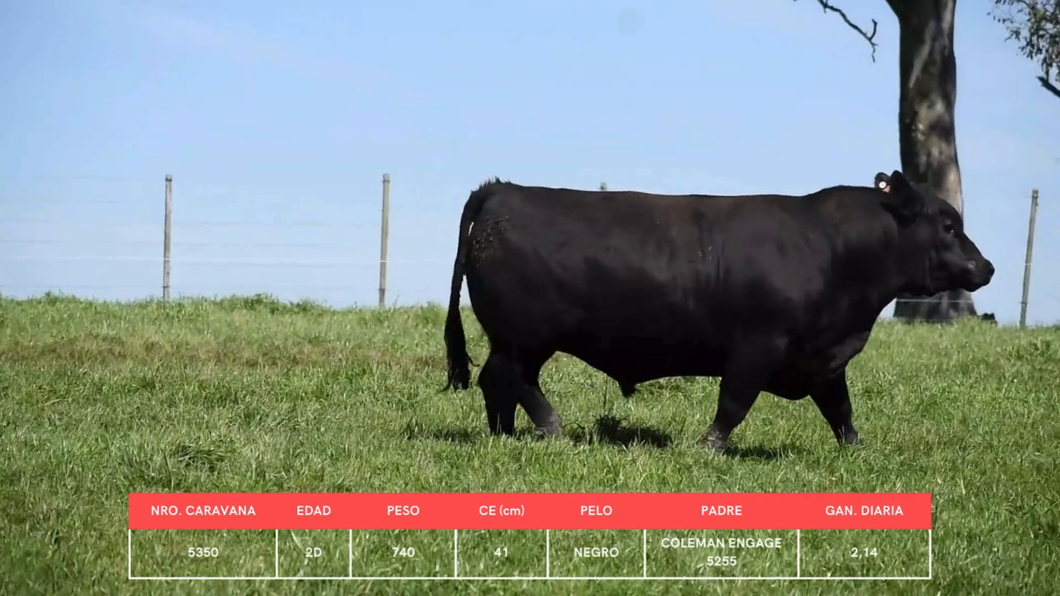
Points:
(769, 292)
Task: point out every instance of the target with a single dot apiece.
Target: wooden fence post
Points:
(167, 237)
(384, 235)
(1027, 261)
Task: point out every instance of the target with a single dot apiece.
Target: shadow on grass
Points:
(609, 430)
(761, 453)
(606, 430)
(415, 432)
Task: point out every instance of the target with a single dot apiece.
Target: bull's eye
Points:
(948, 229)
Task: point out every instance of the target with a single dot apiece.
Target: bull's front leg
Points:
(833, 400)
(744, 377)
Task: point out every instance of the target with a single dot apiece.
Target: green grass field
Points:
(248, 394)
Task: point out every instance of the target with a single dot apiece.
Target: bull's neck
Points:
(874, 271)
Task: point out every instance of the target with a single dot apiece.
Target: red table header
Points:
(530, 511)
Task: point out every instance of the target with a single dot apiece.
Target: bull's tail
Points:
(455, 341)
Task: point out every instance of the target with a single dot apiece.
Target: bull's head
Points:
(934, 252)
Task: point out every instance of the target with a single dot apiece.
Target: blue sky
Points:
(278, 119)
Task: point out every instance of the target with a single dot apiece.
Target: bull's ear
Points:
(904, 201)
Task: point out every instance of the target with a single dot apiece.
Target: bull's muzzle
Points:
(980, 272)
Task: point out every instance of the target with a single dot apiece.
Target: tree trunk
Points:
(926, 134)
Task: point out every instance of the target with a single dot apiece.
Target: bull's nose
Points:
(981, 270)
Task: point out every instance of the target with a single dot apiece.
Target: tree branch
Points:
(869, 37)
(1051, 88)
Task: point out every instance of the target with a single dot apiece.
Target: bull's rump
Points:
(638, 285)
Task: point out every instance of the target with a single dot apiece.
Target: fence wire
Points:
(103, 235)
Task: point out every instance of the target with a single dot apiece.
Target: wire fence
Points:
(105, 238)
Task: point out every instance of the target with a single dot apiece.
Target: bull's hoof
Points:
(716, 441)
(849, 439)
(554, 427)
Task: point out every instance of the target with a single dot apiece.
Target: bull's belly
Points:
(791, 383)
(635, 362)
(629, 365)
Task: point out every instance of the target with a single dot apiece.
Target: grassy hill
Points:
(248, 394)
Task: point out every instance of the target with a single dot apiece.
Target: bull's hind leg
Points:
(533, 400)
(508, 379)
(496, 381)
(833, 400)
